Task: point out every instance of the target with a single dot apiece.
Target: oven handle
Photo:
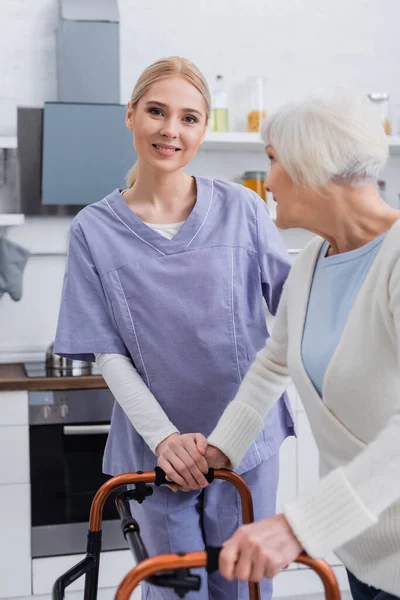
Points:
(85, 429)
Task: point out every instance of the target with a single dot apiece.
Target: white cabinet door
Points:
(308, 464)
(13, 408)
(14, 454)
(15, 543)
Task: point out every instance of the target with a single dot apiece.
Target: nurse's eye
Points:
(157, 112)
(190, 119)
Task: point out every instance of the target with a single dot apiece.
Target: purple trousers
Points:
(188, 521)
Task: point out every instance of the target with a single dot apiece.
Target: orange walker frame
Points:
(168, 570)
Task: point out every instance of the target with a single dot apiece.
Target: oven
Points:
(68, 431)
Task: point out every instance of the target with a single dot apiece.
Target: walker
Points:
(168, 570)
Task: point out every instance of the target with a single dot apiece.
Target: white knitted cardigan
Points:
(355, 508)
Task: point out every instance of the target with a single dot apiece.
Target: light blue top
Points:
(336, 283)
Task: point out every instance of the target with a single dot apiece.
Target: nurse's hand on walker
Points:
(181, 457)
(259, 550)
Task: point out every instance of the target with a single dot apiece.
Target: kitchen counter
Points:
(13, 378)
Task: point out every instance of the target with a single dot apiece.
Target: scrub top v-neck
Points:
(188, 311)
(187, 233)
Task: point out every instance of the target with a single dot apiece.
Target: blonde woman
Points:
(337, 334)
(165, 284)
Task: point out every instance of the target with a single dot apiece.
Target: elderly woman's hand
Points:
(259, 550)
(216, 459)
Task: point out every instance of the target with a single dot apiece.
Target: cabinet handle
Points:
(85, 429)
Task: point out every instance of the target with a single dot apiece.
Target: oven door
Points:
(66, 472)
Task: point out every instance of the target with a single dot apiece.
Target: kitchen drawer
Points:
(13, 408)
(15, 543)
(14, 454)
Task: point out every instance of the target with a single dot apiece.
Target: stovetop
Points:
(38, 369)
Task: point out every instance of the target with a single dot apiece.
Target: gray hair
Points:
(325, 138)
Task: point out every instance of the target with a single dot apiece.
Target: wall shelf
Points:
(233, 141)
(243, 141)
(9, 220)
(8, 141)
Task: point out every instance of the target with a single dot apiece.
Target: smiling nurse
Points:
(165, 287)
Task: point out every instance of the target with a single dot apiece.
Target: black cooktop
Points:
(38, 369)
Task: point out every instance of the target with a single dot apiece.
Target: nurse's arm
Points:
(135, 399)
(178, 455)
(263, 385)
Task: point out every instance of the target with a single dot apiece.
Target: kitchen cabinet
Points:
(15, 547)
(14, 438)
(15, 550)
(13, 408)
(14, 455)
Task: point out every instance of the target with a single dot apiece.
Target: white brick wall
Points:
(299, 45)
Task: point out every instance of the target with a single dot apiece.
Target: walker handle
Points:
(161, 478)
(213, 553)
(319, 566)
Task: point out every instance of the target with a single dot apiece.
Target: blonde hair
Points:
(173, 66)
(328, 137)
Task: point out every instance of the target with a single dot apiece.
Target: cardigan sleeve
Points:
(264, 383)
(350, 499)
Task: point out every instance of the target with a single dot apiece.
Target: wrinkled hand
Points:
(259, 550)
(181, 457)
(216, 459)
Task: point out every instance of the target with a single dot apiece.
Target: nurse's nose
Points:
(169, 131)
(266, 187)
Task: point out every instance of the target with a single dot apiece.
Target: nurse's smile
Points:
(165, 150)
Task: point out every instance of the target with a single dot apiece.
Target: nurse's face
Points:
(294, 203)
(168, 123)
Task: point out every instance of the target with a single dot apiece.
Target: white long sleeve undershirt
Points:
(135, 399)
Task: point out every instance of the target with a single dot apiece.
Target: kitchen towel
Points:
(13, 259)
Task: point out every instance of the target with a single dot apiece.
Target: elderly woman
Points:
(337, 335)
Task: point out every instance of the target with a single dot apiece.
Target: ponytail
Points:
(131, 176)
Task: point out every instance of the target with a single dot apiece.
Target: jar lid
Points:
(378, 97)
(254, 175)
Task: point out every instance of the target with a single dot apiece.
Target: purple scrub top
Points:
(188, 311)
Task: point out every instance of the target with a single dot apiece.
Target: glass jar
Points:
(219, 107)
(254, 180)
(381, 101)
(257, 90)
